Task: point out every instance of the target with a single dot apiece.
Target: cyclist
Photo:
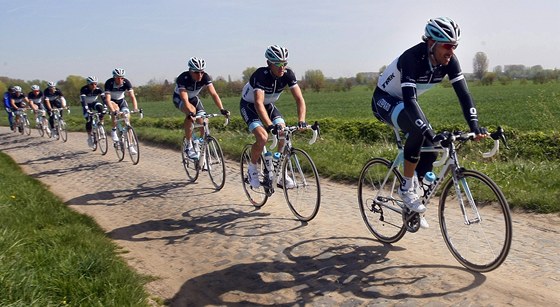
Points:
(53, 99)
(90, 98)
(8, 107)
(35, 98)
(115, 88)
(18, 101)
(258, 109)
(395, 100)
(185, 98)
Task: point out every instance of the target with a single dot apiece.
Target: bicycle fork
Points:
(461, 182)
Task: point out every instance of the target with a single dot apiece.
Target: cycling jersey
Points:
(116, 91)
(88, 95)
(19, 99)
(263, 79)
(37, 99)
(54, 95)
(193, 87)
(412, 74)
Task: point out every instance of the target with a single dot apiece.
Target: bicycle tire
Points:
(62, 132)
(483, 245)
(47, 128)
(190, 165)
(257, 196)
(40, 130)
(304, 198)
(119, 145)
(132, 145)
(379, 204)
(26, 126)
(214, 163)
(101, 139)
(94, 139)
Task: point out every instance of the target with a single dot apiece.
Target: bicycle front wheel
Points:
(304, 195)
(26, 126)
(257, 196)
(120, 146)
(190, 165)
(40, 129)
(101, 140)
(378, 200)
(132, 145)
(214, 163)
(62, 130)
(475, 221)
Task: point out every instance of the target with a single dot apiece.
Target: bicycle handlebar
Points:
(210, 115)
(462, 136)
(290, 129)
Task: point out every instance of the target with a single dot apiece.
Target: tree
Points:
(315, 79)
(247, 73)
(71, 88)
(480, 65)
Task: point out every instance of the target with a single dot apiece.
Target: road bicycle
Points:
(473, 213)
(98, 135)
(128, 140)
(304, 196)
(59, 130)
(22, 121)
(210, 156)
(42, 123)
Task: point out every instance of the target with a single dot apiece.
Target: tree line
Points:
(312, 80)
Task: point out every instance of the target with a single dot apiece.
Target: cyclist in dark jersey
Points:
(115, 88)
(8, 106)
(395, 99)
(257, 104)
(17, 101)
(185, 98)
(35, 98)
(92, 98)
(53, 99)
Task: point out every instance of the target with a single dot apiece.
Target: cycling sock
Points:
(406, 183)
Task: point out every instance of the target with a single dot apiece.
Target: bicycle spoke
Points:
(304, 194)
(214, 163)
(189, 164)
(257, 196)
(132, 145)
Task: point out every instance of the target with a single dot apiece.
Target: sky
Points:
(153, 39)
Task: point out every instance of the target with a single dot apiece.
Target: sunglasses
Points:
(281, 64)
(449, 46)
(199, 72)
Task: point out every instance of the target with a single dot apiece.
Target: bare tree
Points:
(480, 65)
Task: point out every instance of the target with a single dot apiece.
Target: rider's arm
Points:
(13, 104)
(467, 104)
(300, 102)
(133, 98)
(261, 110)
(215, 96)
(185, 98)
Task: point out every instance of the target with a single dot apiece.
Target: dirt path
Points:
(213, 248)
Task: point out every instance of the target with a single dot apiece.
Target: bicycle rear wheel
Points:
(214, 163)
(304, 198)
(101, 139)
(482, 243)
(257, 196)
(62, 130)
(132, 145)
(378, 200)
(190, 165)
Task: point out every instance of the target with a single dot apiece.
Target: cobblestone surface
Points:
(210, 248)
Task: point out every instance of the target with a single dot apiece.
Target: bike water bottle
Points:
(429, 178)
(276, 159)
(268, 164)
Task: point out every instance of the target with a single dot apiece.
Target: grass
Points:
(53, 256)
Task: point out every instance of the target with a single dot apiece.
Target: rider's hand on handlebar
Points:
(225, 112)
(302, 125)
(481, 133)
(136, 110)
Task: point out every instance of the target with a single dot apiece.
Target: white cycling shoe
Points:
(114, 135)
(423, 222)
(132, 150)
(290, 184)
(253, 175)
(411, 200)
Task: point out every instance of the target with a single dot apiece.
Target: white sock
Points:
(406, 184)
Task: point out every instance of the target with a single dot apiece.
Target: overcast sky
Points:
(153, 39)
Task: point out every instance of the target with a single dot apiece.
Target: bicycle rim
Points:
(132, 145)
(101, 140)
(189, 164)
(40, 130)
(119, 146)
(483, 244)
(26, 126)
(304, 198)
(62, 131)
(378, 200)
(95, 139)
(257, 196)
(214, 163)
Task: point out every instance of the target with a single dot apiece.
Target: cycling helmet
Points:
(443, 30)
(35, 87)
(118, 72)
(17, 89)
(92, 79)
(51, 84)
(276, 54)
(196, 64)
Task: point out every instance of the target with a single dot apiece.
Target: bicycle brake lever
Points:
(499, 134)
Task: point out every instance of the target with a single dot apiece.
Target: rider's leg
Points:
(261, 136)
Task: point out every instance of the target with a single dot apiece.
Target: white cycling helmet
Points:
(276, 54)
(17, 89)
(35, 87)
(196, 64)
(118, 72)
(51, 84)
(443, 30)
(92, 79)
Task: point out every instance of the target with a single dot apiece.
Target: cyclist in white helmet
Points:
(258, 109)
(53, 99)
(395, 100)
(185, 97)
(92, 98)
(36, 100)
(18, 100)
(115, 89)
